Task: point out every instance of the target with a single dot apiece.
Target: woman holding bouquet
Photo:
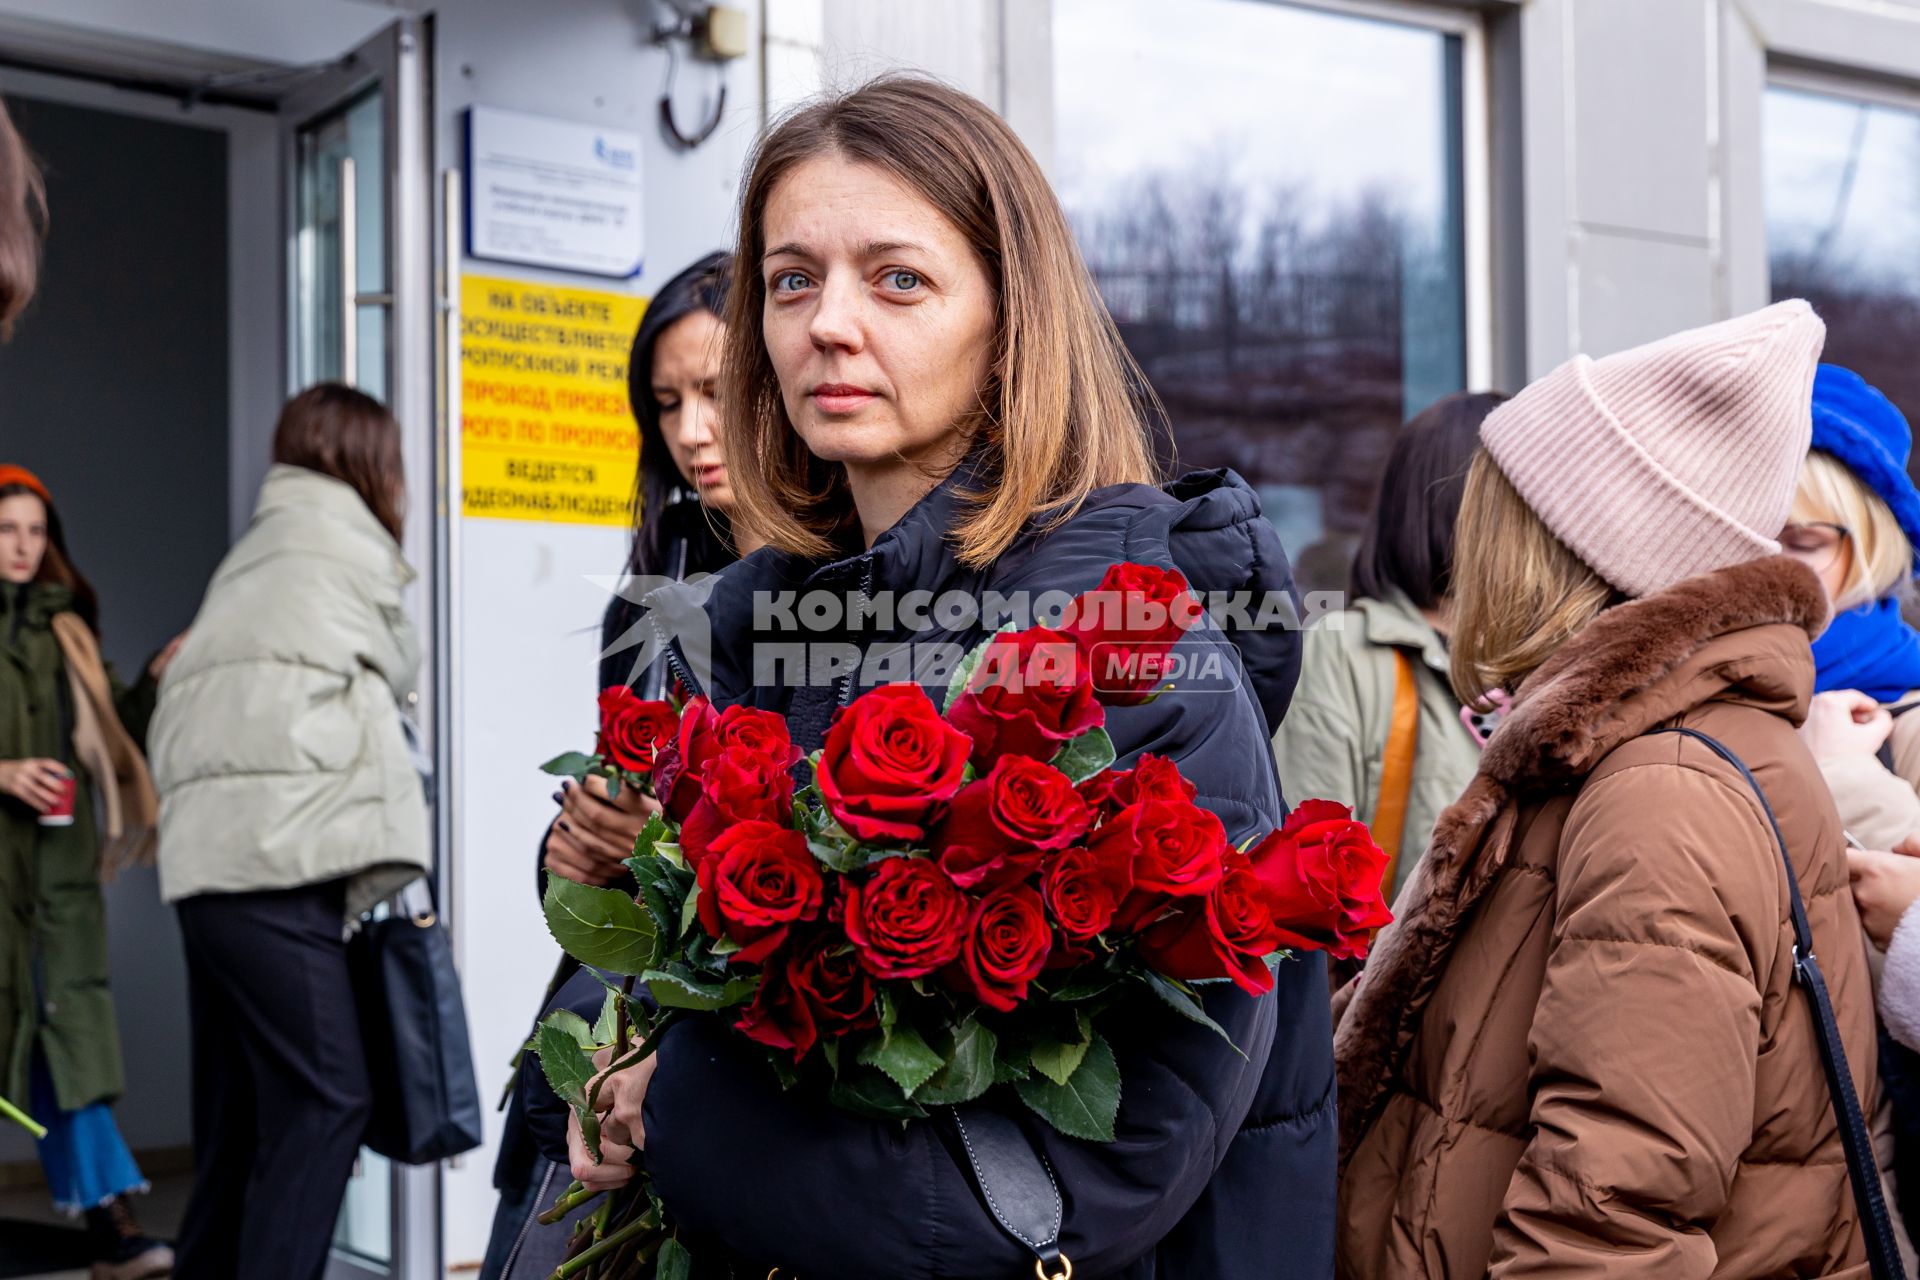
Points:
(682, 499)
(925, 395)
(1583, 1048)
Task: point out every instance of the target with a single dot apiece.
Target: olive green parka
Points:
(53, 923)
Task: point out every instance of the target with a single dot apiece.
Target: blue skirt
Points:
(83, 1155)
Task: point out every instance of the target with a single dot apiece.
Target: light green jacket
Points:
(277, 747)
(1329, 746)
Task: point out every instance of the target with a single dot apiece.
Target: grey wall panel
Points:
(1633, 290)
(1640, 114)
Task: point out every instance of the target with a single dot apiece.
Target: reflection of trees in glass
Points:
(1868, 292)
(1270, 323)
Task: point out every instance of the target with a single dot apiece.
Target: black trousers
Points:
(280, 1090)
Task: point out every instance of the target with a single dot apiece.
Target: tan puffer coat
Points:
(1580, 1051)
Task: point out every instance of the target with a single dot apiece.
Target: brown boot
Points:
(121, 1250)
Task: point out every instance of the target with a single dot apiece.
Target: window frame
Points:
(1476, 159)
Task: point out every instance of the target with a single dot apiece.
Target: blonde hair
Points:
(1064, 409)
(1830, 493)
(1519, 592)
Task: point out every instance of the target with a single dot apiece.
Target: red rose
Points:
(998, 825)
(1083, 887)
(907, 920)
(1326, 874)
(1127, 626)
(756, 880)
(632, 729)
(1174, 849)
(1029, 696)
(738, 786)
(888, 763)
(819, 992)
(1151, 778)
(704, 733)
(1229, 937)
(1006, 945)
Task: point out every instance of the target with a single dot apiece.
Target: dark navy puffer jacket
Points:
(1224, 1164)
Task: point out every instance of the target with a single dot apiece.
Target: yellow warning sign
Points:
(545, 429)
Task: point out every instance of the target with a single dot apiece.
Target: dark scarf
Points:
(1871, 649)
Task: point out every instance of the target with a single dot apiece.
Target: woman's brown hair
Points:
(57, 565)
(23, 223)
(1064, 410)
(1519, 593)
(347, 434)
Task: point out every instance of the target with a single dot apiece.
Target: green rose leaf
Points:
(868, 1092)
(679, 989)
(607, 1026)
(835, 856)
(1057, 1061)
(964, 672)
(1086, 1104)
(690, 909)
(576, 1026)
(663, 890)
(601, 927)
(1084, 756)
(904, 1056)
(673, 1262)
(1186, 1004)
(655, 831)
(613, 785)
(567, 1065)
(571, 764)
(969, 1069)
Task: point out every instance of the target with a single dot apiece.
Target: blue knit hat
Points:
(1858, 425)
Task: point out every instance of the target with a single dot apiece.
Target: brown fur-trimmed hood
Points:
(1740, 632)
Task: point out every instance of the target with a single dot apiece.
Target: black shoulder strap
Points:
(1017, 1183)
(1862, 1171)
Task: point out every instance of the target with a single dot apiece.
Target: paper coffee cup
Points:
(61, 815)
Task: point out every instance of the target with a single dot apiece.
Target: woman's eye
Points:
(790, 282)
(669, 406)
(904, 281)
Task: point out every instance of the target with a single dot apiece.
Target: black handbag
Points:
(1883, 1254)
(414, 1022)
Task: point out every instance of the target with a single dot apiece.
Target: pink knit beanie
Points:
(1673, 458)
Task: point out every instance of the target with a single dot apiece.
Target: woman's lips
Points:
(840, 397)
(710, 475)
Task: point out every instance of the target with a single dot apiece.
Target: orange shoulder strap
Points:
(1396, 773)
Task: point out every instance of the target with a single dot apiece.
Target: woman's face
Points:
(879, 317)
(23, 537)
(1823, 546)
(686, 368)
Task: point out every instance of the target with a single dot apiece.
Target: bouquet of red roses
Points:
(632, 730)
(956, 900)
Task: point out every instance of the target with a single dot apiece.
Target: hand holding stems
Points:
(594, 836)
(1845, 722)
(36, 783)
(622, 1131)
(1884, 886)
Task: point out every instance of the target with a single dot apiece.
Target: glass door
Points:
(359, 227)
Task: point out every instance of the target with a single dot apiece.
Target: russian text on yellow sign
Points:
(545, 429)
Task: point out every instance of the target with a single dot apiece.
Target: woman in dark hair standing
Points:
(68, 732)
(1374, 723)
(683, 500)
(289, 806)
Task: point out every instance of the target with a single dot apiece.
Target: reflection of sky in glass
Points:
(1873, 227)
(1273, 94)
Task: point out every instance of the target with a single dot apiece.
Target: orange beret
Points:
(10, 474)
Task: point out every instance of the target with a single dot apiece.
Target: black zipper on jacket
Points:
(866, 598)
